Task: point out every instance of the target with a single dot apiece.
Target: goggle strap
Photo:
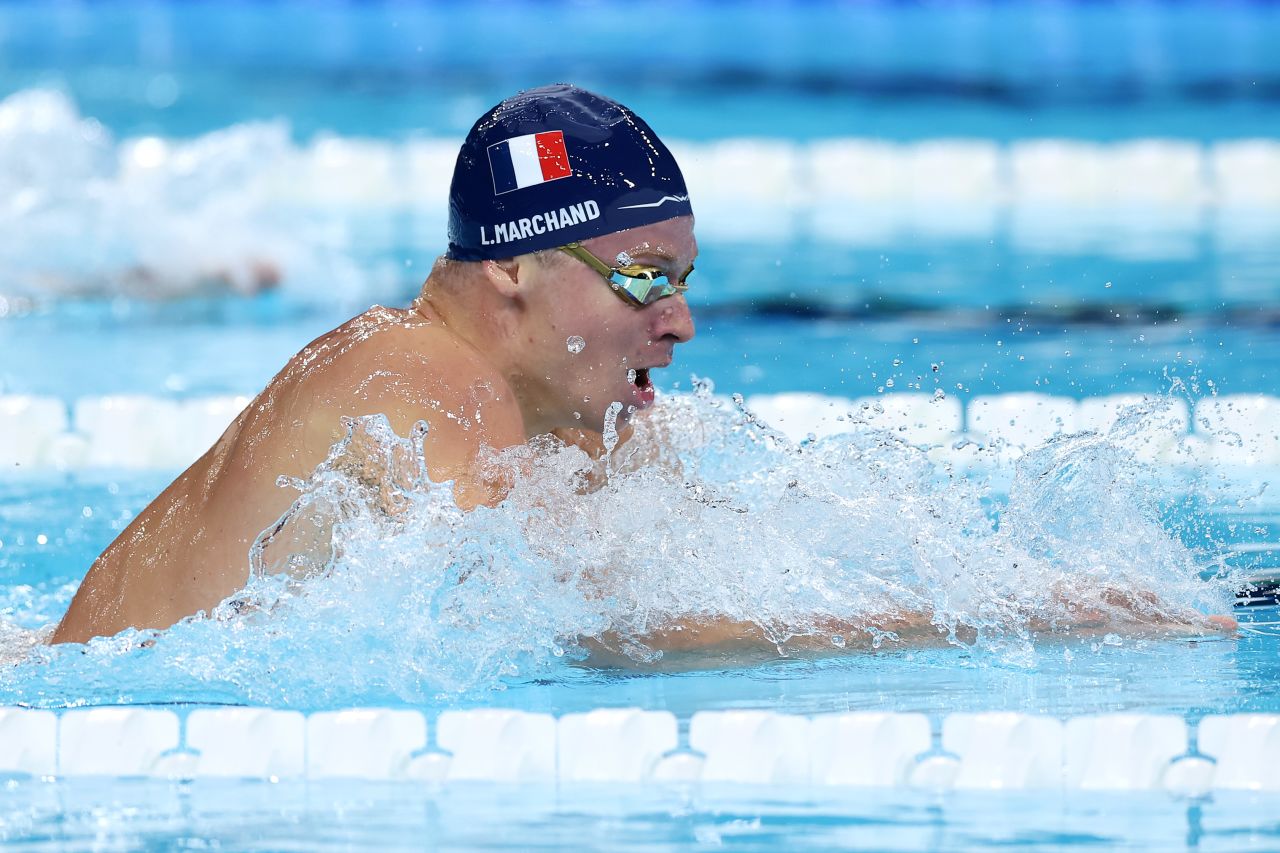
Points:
(576, 250)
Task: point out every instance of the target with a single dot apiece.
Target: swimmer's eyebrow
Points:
(660, 254)
(647, 251)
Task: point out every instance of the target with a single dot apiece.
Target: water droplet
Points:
(41, 539)
(936, 367)
(837, 641)
(888, 383)
(577, 416)
(575, 344)
(610, 433)
(631, 376)
(939, 394)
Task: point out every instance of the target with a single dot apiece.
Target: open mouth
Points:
(641, 379)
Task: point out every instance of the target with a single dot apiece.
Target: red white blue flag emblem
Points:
(524, 161)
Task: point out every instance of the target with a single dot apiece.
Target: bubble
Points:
(575, 344)
(631, 376)
(162, 91)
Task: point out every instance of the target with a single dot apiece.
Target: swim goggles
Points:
(636, 284)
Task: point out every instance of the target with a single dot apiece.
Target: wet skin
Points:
(482, 359)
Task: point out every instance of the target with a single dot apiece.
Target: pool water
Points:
(1081, 201)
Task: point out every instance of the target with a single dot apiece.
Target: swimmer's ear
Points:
(506, 276)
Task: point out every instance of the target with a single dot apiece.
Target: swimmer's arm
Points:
(719, 637)
(714, 638)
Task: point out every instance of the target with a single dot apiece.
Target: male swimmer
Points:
(568, 217)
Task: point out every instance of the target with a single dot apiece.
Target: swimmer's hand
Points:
(1110, 608)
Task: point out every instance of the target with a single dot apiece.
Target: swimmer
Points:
(571, 243)
(568, 219)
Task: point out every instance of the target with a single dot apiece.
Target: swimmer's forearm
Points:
(717, 637)
(720, 635)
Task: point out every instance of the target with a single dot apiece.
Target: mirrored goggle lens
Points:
(646, 286)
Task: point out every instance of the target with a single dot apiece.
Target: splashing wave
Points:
(705, 514)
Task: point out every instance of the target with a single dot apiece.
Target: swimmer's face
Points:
(572, 300)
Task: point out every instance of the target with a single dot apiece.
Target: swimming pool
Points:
(1075, 202)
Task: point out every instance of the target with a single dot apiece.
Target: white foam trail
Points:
(86, 215)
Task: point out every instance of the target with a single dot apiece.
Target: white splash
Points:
(708, 514)
(88, 215)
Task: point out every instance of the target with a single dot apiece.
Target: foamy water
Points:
(820, 546)
(91, 215)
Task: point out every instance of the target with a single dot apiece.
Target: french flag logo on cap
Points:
(523, 161)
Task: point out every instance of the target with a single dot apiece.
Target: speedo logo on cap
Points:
(524, 161)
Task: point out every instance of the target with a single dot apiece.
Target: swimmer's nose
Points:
(673, 319)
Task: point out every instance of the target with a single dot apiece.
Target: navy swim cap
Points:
(554, 165)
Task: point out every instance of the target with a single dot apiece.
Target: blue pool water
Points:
(1019, 284)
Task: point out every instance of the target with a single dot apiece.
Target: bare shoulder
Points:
(404, 366)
